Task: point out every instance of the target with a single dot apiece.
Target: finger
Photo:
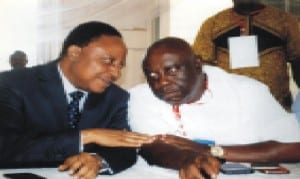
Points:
(67, 163)
(211, 166)
(137, 140)
(217, 165)
(82, 172)
(160, 137)
(89, 174)
(90, 168)
(74, 168)
(210, 170)
(131, 138)
(182, 174)
(126, 141)
(173, 139)
(139, 136)
(62, 167)
(193, 172)
(117, 138)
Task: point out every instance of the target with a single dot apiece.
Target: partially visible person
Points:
(184, 99)
(18, 59)
(296, 106)
(69, 113)
(278, 41)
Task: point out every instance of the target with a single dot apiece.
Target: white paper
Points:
(243, 52)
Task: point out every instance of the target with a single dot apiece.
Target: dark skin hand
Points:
(268, 151)
(185, 144)
(189, 163)
(83, 165)
(201, 160)
(114, 138)
(199, 166)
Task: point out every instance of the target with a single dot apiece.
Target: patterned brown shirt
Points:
(278, 42)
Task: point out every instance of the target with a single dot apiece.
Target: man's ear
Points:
(198, 62)
(73, 51)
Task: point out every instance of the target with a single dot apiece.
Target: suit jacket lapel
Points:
(52, 87)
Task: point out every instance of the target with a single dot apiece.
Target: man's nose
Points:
(115, 71)
(163, 79)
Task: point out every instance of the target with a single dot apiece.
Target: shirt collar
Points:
(68, 86)
(206, 97)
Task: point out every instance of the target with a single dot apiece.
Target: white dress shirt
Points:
(70, 88)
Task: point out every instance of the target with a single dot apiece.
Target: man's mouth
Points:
(171, 95)
(106, 81)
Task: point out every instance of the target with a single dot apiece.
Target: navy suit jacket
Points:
(34, 127)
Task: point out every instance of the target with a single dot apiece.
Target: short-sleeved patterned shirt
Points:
(278, 43)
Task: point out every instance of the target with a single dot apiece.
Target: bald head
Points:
(173, 72)
(170, 44)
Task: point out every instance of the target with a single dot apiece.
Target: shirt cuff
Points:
(81, 147)
(105, 169)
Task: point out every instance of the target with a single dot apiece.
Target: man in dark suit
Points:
(37, 126)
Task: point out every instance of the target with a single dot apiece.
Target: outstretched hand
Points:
(199, 163)
(184, 144)
(115, 138)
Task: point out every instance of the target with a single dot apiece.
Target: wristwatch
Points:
(217, 151)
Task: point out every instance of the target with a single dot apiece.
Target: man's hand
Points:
(83, 165)
(115, 138)
(197, 167)
(185, 144)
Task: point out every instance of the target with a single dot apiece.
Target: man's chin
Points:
(99, 89)
(173, 101)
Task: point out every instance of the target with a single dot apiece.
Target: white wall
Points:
(18, 28)
(186, 16)
(181, 18)
(137, 42)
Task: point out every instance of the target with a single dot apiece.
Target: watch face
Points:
(217, 151)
